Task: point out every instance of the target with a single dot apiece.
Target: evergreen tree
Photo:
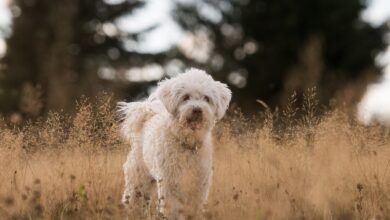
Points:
(263, 48)
(275, 47)
(58, 47)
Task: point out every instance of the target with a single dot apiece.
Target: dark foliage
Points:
(276, 46)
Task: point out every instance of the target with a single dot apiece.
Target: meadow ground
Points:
(272, 167)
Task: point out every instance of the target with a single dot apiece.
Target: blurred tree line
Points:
(264, 49)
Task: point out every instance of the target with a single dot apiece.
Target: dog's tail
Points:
(133, 116)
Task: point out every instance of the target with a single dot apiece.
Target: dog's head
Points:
(194, 99)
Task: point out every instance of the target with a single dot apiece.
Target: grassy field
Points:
(272, 167)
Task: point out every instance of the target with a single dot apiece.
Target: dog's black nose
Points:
(197, 111)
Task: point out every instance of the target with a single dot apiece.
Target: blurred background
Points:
(52, 53)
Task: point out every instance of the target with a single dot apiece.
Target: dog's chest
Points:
(167, 157)
(189, 161)
(186, 164)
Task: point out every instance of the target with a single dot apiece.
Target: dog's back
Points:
(135, 114)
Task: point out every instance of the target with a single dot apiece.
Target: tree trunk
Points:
(40, 53)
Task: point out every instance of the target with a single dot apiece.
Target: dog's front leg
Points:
(170, 205)
(177, 201)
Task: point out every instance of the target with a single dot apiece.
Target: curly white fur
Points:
(170, 135)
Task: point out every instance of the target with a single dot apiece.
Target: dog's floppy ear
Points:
(224, 95)
(165, 95)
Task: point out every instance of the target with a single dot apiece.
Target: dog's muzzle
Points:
(195, 119)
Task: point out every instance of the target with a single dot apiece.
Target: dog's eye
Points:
(207, 99)
(186, 97)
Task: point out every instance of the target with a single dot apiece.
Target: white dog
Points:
(170, 135)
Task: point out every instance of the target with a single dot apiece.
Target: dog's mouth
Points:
(194, 124)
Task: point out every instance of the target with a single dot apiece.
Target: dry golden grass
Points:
(326, 167)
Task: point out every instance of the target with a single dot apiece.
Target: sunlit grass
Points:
(277, 167)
